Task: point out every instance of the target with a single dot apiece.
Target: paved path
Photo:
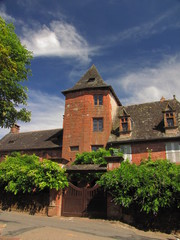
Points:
(26, 227)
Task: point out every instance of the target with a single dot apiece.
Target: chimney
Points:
(15, 128)
(162, 99)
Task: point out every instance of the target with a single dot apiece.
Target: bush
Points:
(153, 185)
(25, 173)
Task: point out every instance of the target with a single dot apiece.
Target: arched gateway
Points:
(84, 201)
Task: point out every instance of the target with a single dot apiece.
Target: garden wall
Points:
(32, 203)
(167, 220)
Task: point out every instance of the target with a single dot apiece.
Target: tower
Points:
(90, 107)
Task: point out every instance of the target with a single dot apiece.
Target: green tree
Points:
(14, 70)
(25, 173)
(153, 185)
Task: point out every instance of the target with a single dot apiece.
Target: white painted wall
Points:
(173, 151)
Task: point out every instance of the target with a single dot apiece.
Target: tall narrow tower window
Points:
(98, 100)
(97, 124)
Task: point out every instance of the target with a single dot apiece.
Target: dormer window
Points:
(92, 79)
(125, 123)
(170, 119)
(170, 124)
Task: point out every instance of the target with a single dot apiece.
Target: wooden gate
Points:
(82, 202)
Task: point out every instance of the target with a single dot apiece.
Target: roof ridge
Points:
(33, 131)
(167, 100)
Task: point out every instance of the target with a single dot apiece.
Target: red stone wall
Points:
(78, 121)
(140, 151)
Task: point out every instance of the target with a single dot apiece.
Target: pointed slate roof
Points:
(91, 80)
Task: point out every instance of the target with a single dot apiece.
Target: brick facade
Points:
(140, 151)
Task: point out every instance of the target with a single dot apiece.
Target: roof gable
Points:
(168, 108)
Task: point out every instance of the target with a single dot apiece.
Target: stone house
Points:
(94, 117)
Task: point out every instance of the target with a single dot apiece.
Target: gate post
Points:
(55, 203)
(113, 211)
(113, 162)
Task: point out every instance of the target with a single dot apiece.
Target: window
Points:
(74, 148)
(97, 124)
(92, 79)
(127, 154)
(96, 147)
(170, 119)
(98, 99)
(124, 124)
(173, 151)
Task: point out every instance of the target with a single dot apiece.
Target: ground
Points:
(15, 226)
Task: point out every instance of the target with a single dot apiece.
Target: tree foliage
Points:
(25, 173)
(14, 70)
(96, 157)
(153, 185)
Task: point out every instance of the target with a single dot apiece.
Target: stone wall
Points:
(32, 203)
(53, 154)
(167, 220)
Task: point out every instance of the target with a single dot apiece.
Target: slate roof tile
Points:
(147, 121)
(91, 79)
(45, 139)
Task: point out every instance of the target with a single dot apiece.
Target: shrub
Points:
(152, 185)
(25, 173)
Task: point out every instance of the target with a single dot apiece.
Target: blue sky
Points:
(135, 45)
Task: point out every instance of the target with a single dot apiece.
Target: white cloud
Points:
(150, 84)
(4, 15)
(46, 110)
(59, 39)
(155, 26)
